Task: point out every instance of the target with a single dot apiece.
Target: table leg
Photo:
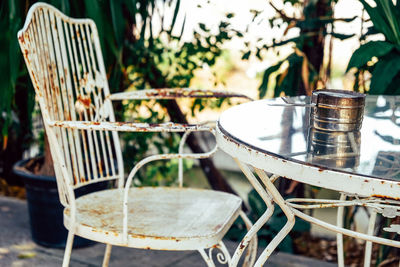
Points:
(274, 193)
(252, 232)
(251, 240)
(339, 236)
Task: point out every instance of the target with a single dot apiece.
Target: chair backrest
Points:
(66, 67)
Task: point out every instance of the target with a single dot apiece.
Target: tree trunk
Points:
(313, 48)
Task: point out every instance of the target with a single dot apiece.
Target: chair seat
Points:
(159, 217)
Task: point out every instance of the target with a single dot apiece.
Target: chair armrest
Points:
(146, 160)
(130, 126)
(172, 93)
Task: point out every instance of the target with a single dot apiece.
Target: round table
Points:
(277, 138)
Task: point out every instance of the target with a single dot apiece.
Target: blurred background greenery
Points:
(259, 48)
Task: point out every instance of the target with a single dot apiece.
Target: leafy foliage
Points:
(301, 71)
(16, 93)
(365, 53)
(385, 70)
(137, 52)
(159, 59)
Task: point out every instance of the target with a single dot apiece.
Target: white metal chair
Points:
(66, 67)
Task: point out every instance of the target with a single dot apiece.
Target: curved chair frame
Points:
(66, 67)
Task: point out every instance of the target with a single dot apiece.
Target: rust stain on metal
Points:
(386, 197)
(86, 101)
(153, 237)
(182, 92)
(100, 166)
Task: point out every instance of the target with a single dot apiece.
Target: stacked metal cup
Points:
(335, 122)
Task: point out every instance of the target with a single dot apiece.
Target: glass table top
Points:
(284, 130)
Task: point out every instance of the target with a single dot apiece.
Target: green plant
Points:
(303, 70)
(135, 53)
(379, 58)
(16, 93)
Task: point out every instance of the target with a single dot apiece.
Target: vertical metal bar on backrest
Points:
(49, 22)
(67, 87)
(84, 83)
(91, 86)
(77, 77)
(34, 52)
(70, 72)
(72, 83)
(41, 58)
(44, 45)
(57, 34)
(98, 99)
(108, 106)
(36, 39)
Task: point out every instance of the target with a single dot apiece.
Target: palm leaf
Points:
(118, 21)
(176, 10)
(262, 90)
(365, 52)
(379, 19)
(384, 72)
(387, 9)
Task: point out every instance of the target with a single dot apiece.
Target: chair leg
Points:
(107, 255)
(68, 249)
(207, 259)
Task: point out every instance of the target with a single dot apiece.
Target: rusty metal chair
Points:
(66, 67)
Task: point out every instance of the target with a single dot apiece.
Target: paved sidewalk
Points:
(17, 248)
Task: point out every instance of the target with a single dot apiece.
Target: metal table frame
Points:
(378, 194)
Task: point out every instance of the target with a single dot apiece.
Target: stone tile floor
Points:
(18, 250)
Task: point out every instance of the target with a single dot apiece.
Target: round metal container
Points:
(334, 149)
(337, 110)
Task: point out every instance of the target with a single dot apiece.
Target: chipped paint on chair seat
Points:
(171, 218)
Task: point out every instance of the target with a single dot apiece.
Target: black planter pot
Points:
(45, 209)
